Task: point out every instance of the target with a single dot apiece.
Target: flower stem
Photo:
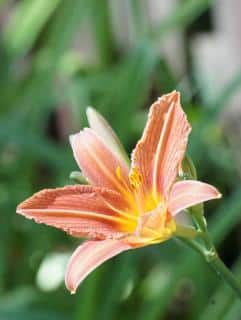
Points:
(217, 264)
(209, 253)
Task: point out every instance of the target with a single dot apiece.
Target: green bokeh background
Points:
(45, 85)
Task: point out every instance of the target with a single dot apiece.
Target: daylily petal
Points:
(161, 149)
(97, 162)
(88, 257)
(80, 211)
(188, 193)
(99, 124)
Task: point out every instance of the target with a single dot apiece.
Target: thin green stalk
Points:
(208, 251)
(217, 264)
(212, 258)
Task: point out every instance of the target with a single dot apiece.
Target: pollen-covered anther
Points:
(135, 178)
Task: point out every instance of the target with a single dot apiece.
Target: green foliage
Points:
(46, 78)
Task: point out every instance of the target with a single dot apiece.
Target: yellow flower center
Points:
(154, 222)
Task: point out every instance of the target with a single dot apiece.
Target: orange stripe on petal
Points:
(88, 257)
(98, 162)
(161, 149)
(185, 194)
(80, 210)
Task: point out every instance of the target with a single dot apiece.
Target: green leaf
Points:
(101, 27)
(29, 19)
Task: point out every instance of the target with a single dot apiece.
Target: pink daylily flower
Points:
(122, 208)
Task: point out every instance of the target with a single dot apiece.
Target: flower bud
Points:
(104, 130)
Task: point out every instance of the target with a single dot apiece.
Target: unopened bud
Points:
(100, 125)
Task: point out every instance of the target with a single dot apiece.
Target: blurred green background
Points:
(56, 58)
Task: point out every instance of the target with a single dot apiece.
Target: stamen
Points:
(118, 173)
(124, 184)
(121, 179)
(135, 178)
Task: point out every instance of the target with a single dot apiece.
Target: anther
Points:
(135, 178)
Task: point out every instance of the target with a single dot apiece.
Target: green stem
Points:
(211, 256)
(217, 264)
(206, 248)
